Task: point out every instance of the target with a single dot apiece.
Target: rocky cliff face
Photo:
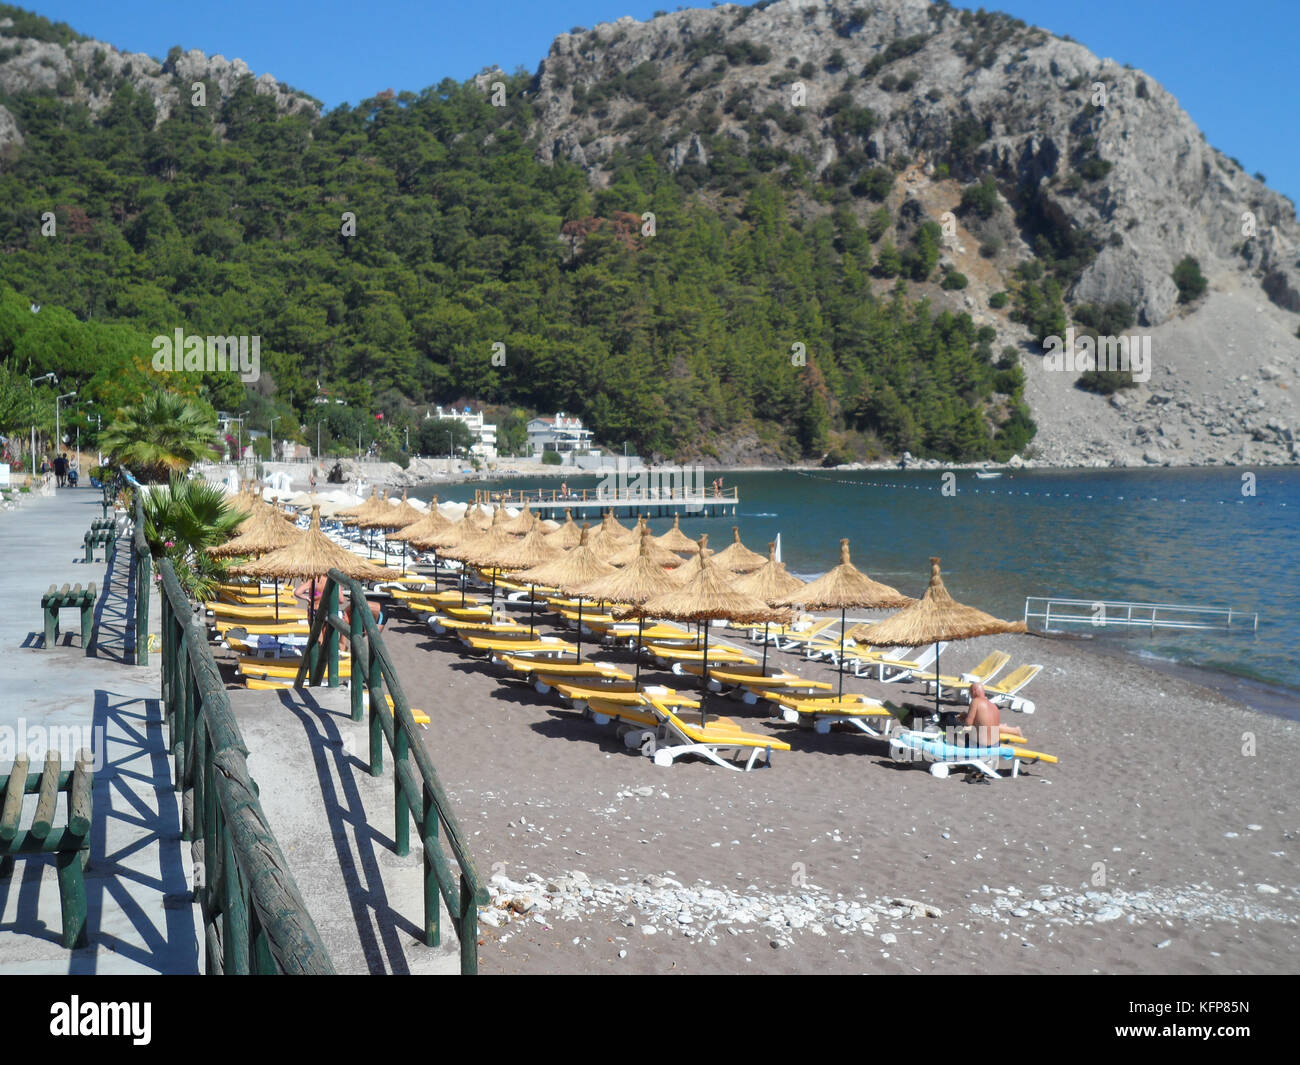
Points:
(89, 71)
(1103, 149)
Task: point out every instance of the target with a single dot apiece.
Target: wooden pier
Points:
(589, 505)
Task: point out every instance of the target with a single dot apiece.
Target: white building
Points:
(485, 434)
(562, 433)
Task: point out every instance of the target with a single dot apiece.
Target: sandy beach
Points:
(1163, 842)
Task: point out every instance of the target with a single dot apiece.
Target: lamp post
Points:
(44, 377)
(58, 436)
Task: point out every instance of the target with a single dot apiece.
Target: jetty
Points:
(590, 504)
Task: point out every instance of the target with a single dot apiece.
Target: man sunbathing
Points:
(986, 720)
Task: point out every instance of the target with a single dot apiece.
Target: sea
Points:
(1218, 537)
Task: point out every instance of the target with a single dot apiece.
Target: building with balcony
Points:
(485, 434)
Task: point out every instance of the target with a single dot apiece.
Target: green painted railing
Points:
(143, 583)
(254, 917)
(417, 792)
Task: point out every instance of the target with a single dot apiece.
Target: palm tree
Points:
(184, 519)
(162, 434)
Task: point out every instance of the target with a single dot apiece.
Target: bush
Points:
(953, 280)
(552, 458)
(1189, 279)
(1105, 382)
(877, 223)
(998, 300)
(981, 198)
(990, 248)
(1094, 169)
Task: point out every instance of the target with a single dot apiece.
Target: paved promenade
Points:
(138, 884)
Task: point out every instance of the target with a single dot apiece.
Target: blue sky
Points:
(1232, 66)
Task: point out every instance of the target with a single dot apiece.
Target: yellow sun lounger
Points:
(297, 627)
(937, 748)
(753, 679)
(229, 612)
(793, 637)
(283, 667)
(1006, 692)
(622, 694)
(820, 714)
(440, 624)
(546, 647)
(468, 613)
(545, 674)
(709, 740)
(452, 597)
(980, 674)
(679, 657)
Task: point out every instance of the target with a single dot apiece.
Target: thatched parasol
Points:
(478, 516)
(427, 524)
(312, 555)
(616, 532)
(936, 617)
(737, 557)
(711, 593)
(676, 540)
(571, 572)
(567, 535)
(646, 547)
(769, 583)
(360, 508)
(392, 516)
(438, 540)
(531, 551)
(520, 523)
(690, 569)
(259, 533)
(845, 586)
(481, 550)
(643, 578)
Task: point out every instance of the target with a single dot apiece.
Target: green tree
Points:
(182, 519)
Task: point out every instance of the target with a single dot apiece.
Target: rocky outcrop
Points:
(1053, 115)
(90, 71)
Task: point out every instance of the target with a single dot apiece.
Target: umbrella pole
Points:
(532, 607)
(704, 672)
(841, 693)
(764, 666)
(579, 628)
(936, 679)
(640, 628)
(403, 558)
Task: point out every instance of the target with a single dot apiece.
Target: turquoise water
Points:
(1164, 536)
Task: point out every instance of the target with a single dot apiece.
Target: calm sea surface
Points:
(1192, 537)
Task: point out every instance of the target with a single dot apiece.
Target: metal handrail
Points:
(143, 583)
(254, 917)
(1120, 613)
(418, 793)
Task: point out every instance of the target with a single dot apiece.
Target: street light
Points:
(58, 436)
(44, 377)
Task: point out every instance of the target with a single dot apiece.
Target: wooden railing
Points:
(254, 917)
(417, 792)
(552, 497)
(143, 583)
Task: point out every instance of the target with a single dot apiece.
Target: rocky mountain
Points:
(1080, 147)
(88, 71)
(1068, 189)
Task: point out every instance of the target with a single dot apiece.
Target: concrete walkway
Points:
(141, 918)
(333, 821)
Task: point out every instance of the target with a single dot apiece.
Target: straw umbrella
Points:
(520, 523)
(524, 554)
(389, 518)
(737, 557)
(710, 594)
(769, 583)
(690, 569)
(259, 534)
(676, 540)
(845, 586)
(935, 617)
(439, 541)
(360, 508)
(570, 573)
(642, 579)
(617, 532)
(567, 535)
(311, 556)
(483, 549)
(427, 524)
(648, 547)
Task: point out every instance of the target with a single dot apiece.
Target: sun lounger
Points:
(545, 675)
(677, 657)
(795, 638)
(545, 647)
(1006, 692)
(298, 625)
(856, 710)
(284, 667)
(621, 694)
(980, 674)
(710, 740)
(908, 745)
(751, 679)
(891, 670)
